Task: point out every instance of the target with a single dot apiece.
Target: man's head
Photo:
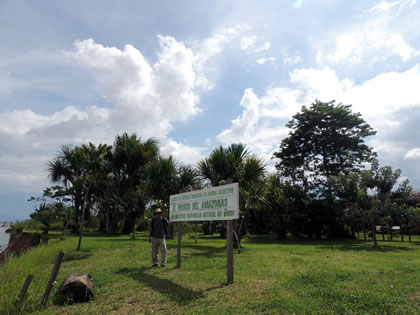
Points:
(158, 212)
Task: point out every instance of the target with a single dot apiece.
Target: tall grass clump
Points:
(37, 261)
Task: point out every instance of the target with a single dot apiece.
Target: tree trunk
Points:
(237, 240)
(76, 211)
(134, 230)
(402, 234)
(375, 242)
(353, 234)
(66, 222)
(82, 217)
(364, 234)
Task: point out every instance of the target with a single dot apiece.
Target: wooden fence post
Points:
(25, 287)
(53, 276)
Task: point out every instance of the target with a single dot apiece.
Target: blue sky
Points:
(196, 75)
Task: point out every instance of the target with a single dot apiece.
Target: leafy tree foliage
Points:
(237, 164)
(321, 189)
(369, 200)
(50, 213)
(325, 139)
(129, 159)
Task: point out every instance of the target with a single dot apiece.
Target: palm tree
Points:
(65, 169)
(79, 169)
(129, 159)
(236, 163)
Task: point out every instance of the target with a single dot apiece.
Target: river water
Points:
(4, 238)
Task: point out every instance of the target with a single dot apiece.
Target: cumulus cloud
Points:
(144, 97)
(153, 94)
(355, 46)
(253, 129)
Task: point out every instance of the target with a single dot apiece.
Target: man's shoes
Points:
(155, 265)
(163, 265)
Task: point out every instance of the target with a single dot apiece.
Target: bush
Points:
(27, 225)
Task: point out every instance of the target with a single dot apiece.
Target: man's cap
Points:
(158, 210)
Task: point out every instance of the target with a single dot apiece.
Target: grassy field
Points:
(270, 277)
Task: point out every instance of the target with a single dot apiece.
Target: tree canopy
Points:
(325, 139)
(321, 188)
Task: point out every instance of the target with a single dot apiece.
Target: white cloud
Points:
(22, 121)
(183, 152)
(347, 45)
(354, 47)
(292, 60)
(384, 6)
(249, 43)
(205, 49)
(265, 46)
(378, 96)
(243, 126)
(262, 61)
(413, 154)
(382, 33)
(250, 128)
(143, 97)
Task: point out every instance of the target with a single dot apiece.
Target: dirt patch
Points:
(19, 242)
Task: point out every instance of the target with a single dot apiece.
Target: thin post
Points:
(178, 253)
(53, 276)
(24, 289)
(229, 251)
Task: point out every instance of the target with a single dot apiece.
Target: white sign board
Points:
(211, 204)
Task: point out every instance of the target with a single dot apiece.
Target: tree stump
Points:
(77, 287)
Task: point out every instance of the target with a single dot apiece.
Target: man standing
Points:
(157, 234)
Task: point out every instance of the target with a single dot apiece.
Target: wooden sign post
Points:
(229, 252)
(178, 253)
(220, 203)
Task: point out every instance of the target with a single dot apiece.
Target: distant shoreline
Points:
(4, 238)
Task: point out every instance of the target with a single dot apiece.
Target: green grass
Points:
(270, 277)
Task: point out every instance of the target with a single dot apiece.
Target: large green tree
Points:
(79, 169)
(325, 139)
(129, 159)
